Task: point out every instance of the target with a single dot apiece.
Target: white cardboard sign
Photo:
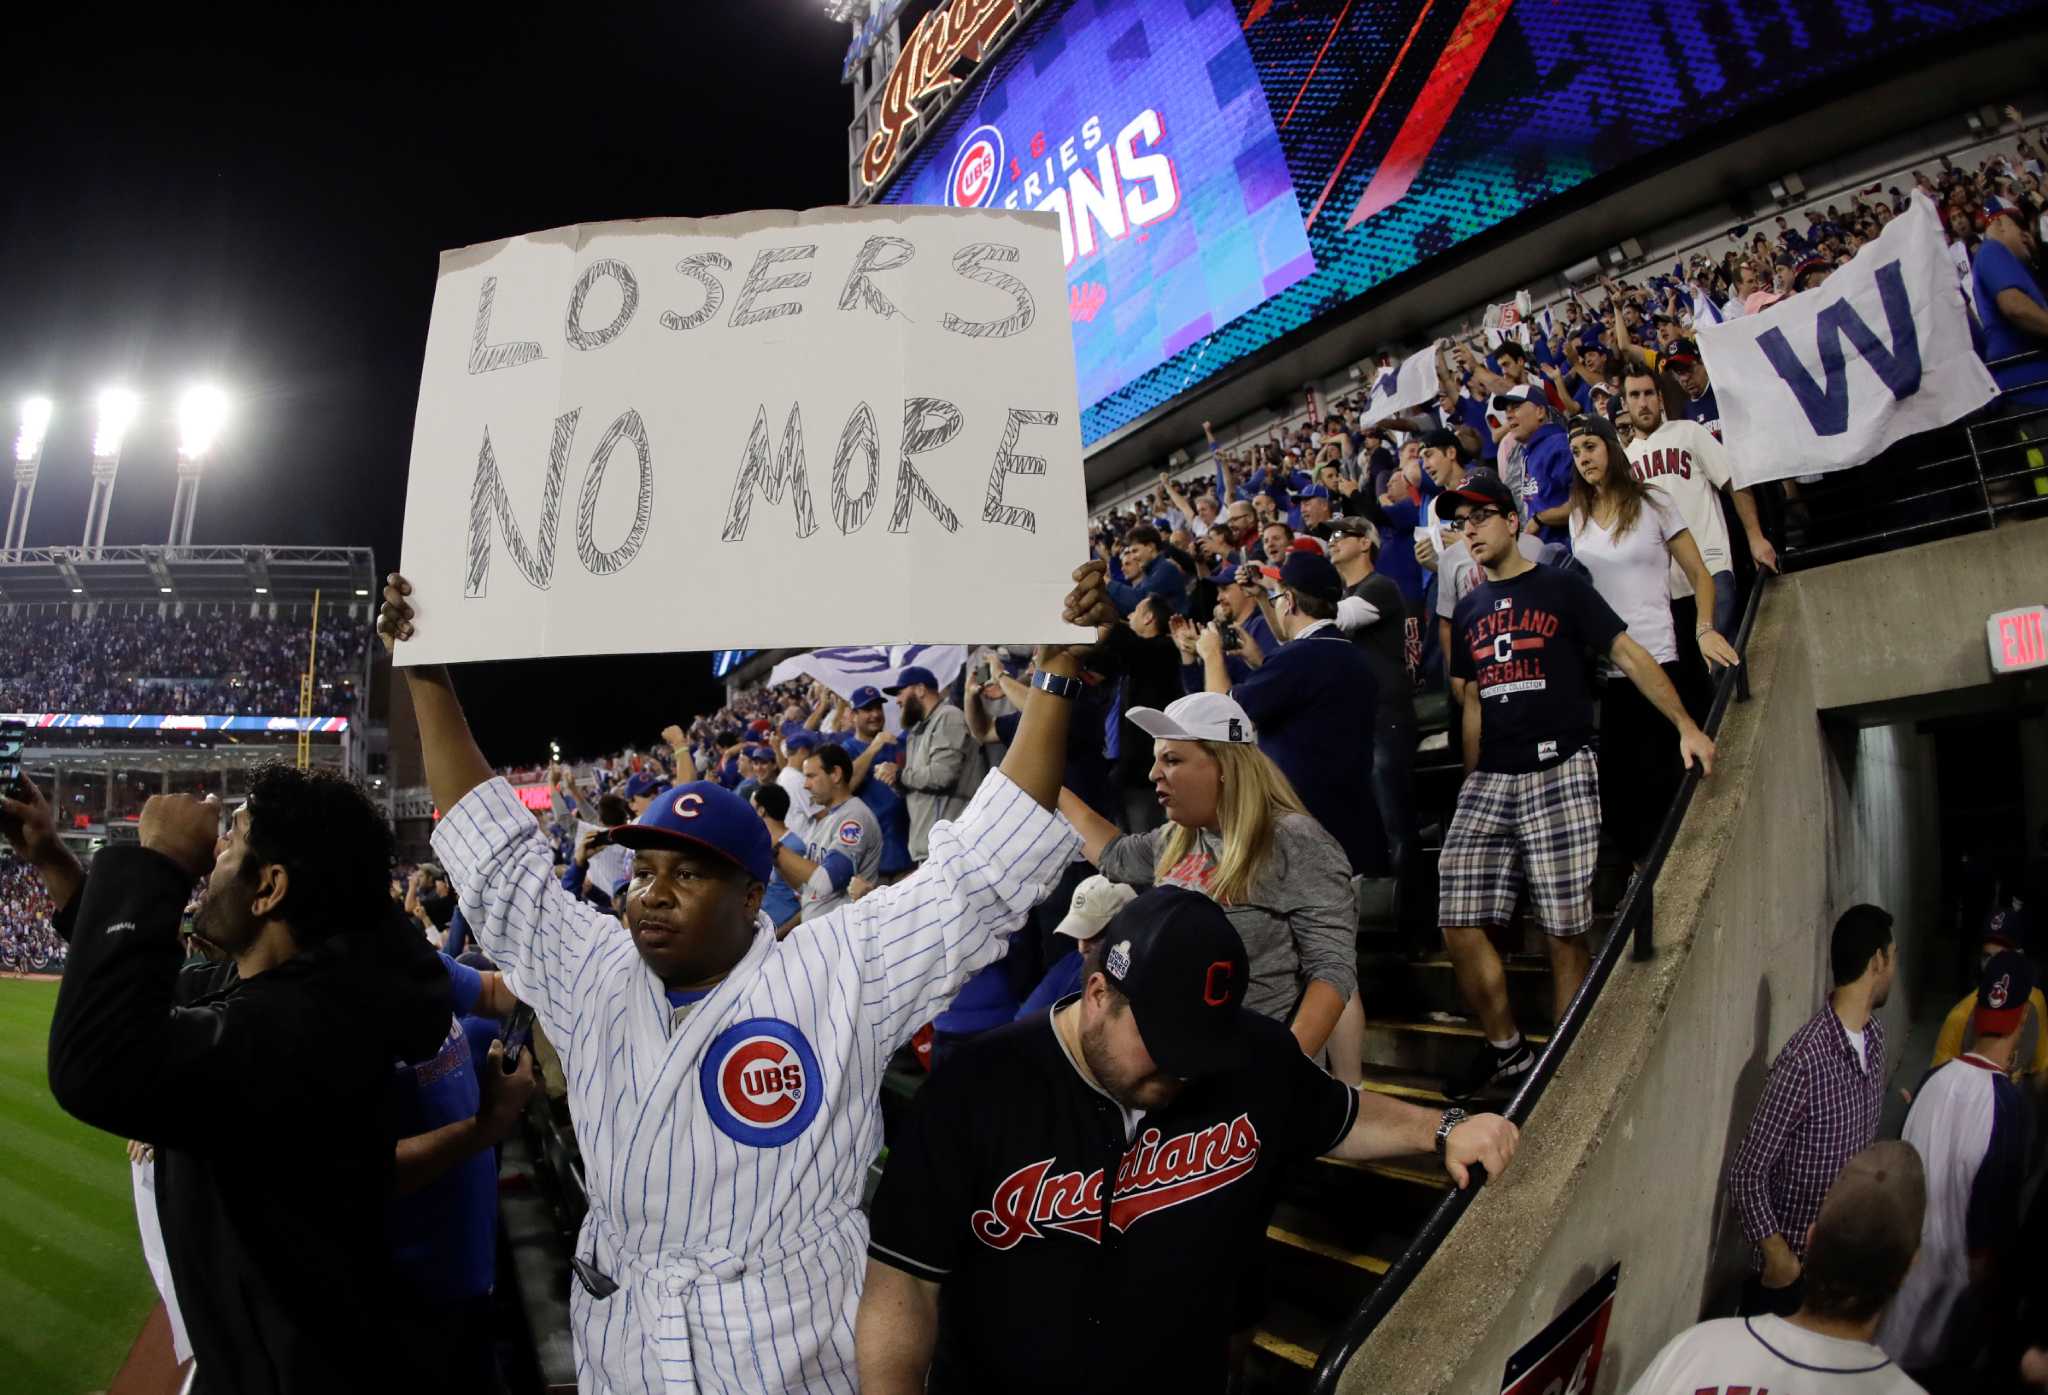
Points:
(760, 431)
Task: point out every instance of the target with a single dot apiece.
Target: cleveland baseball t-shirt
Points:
(1527, 642)
(1684, 460)
(1128, 1232)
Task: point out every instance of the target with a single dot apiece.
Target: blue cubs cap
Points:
(760, 753)
(1315, 491)
(1176, 957)
(791, 728)
(643, 783)
(1311, 574)
(803, 739)
(911, 675)
(709, 816)
(864, 697)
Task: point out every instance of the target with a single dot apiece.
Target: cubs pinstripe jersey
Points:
(725, 1154)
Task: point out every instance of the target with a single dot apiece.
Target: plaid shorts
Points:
(1542, 827)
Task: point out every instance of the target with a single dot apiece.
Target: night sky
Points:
(250, 199)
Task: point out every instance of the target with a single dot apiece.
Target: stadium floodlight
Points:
(117, 409)
(201, 413)
(35, 424)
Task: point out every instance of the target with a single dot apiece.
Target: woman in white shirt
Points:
(1627, 534)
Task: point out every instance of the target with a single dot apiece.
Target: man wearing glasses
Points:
(1526, 642)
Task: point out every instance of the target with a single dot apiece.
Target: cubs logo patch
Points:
(760, 1082)
(849, 832)
(977, 169)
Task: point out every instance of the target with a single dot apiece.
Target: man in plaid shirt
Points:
(1820, 1108)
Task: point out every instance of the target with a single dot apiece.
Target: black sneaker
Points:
(1493, 1071)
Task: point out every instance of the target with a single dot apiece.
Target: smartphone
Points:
(517, 1035)
(13, 737)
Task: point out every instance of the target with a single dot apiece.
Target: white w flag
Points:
(1826, 379)
(872, 665)
(1414, 384)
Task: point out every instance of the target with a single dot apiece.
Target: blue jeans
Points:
(1726, 605)
(1393, 785)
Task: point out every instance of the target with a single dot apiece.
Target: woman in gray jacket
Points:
(1236, 831)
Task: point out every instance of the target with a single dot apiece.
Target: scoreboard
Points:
(1227, 171)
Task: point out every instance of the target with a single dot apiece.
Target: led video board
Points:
(1225, 171)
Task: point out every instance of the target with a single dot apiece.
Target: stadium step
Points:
(1425, 1046)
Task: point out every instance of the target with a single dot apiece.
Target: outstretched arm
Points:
(455, 765)
(1651, 682)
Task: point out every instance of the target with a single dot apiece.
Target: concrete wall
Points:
(1624, 1158)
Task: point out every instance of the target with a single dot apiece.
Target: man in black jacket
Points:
(266, 1099)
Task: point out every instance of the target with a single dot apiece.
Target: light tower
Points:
(201, 412)
(117, 407)
(28, 461)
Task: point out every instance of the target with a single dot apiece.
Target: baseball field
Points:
(73, 1287)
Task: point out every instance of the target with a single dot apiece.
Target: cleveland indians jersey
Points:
(1070, 1235)
(725, 1152)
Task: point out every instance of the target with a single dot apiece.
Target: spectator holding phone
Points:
(266, 1100)
(450, 1111)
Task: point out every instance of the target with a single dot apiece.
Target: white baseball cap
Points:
(1096, 901)
(1197, 717)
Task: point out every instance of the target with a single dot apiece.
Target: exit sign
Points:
(2019, 639)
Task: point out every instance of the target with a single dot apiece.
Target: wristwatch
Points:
(1453, 1117)
(1053, 683)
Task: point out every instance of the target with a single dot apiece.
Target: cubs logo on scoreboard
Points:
(760, 1082)
(977, 170)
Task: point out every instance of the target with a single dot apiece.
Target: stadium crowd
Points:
(27, 944)
(224, 663)
(1065, 877)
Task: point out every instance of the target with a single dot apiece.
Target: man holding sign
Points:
(723, 1082)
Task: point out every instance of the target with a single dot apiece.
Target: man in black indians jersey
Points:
(1528, 641)
(1109, 1168)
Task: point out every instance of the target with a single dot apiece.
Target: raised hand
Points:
(184, 829)
(395, 616)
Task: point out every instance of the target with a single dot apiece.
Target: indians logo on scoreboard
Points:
(760, 1082)
(1102, 188)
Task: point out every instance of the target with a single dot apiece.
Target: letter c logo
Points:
(686, 805)
(1216, 983)
(1503, 648)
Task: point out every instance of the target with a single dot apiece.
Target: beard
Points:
(223, 919)
(1152, 1091)
(913, 710)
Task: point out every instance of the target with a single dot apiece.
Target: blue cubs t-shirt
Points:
(1529, 642)
(444, 1237)
(1996, 269)
(780, 900)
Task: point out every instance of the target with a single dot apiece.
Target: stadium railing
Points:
(1968, 476)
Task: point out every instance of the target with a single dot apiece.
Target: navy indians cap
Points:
(2003, 988)
(709, 816)
(1175, 956)
(1480, 487)
(911, 675)
(864, 697)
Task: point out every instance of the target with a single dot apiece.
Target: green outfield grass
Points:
(73, 1287)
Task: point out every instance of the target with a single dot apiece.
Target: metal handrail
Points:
(1631, 926)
